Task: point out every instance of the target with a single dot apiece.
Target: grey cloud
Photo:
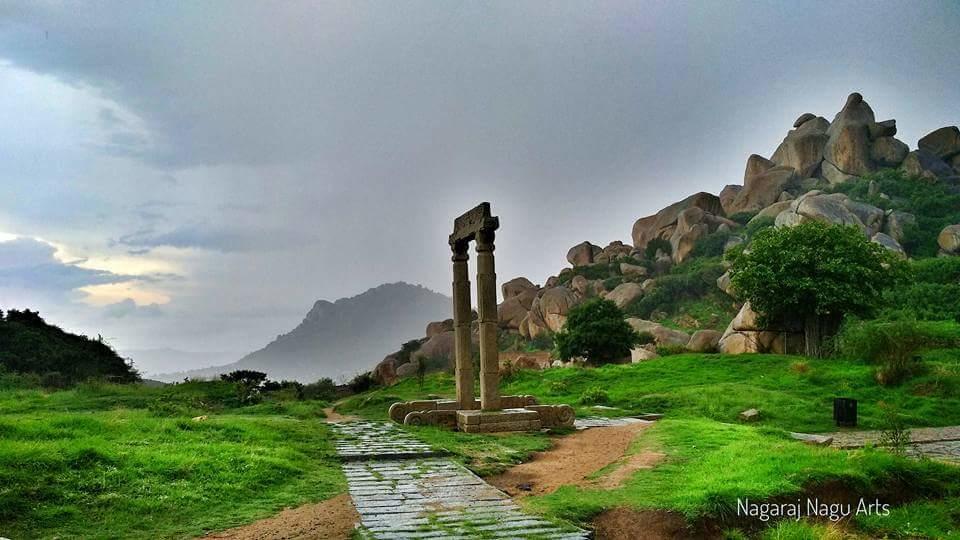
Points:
(26, 263)
(129, 308)
(206, 236)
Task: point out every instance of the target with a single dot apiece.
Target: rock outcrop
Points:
(548, 311)
(943, 143)
(926, 165)
(745, 335)
(661, 334)
(624, 294)
(949, 240)
(802, 148)
(663, 223)
(582, 254)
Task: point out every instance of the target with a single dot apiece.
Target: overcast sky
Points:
(197, 174)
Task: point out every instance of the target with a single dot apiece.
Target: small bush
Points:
(657, 244)
(595, 330)
(668, 350)
(711, 245)
(612, 282)
(894, 345)
(759, 224)
(54, 380)
(595, 395)
(558, 388)
(743, 217)
(800, 367)
(895, 435)
(361, 383)
(322, 390)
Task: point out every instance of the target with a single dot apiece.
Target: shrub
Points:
(894, 345)
(54, 380)
(558, 388)
(323, 390)
(612, 283)
(758, 225)
(596, 331)
(361, 383)
(711, 245)
(800, 367)
(895, 436)
(657, 244)
(693, 279)
(668, 350)
(743, 217)
(595, 395)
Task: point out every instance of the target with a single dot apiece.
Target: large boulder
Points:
(725, 284)
(926, 165)
(756, 165)
(582, 254)
(802, 148)
(772, 211)
(693, 224)
(661, 334)
(762, 189)
(663, 223)
(896, 222)
(386, 371)
(624, 294)
(869, 215)
(511, 312)
(633, 270)
(549, 310)
(847, 150)
(438, 327)
(442, 345)
(943, 143)
(704, 341)
(949, 240)
(832, 208)
(516, 286)
(888, 152)
(727, 195)
(888, 242)
(642, 354)
(615, 250)
(745, 335)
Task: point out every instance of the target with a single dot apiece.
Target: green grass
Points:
(709, 465)
(108, 461)
(792, 392)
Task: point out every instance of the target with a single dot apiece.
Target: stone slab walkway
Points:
(600, 421)
(938, 443)
(423, 495)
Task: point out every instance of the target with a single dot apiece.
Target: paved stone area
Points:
(378, 440)
(599, 421)
(427, 497)
(941, 443)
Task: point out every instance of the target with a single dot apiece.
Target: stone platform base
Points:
(519, 413)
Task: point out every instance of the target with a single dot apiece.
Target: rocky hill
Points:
(340, 339)
(672, 281)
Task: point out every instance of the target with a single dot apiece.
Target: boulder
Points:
(511, 313)
(949, 239)
(896, 222)
(385, 373)
(888, 152)
(537, 363)
(551, 282)
(407, 370)
(633, 270)
(763, 189)
(662, 224)
(582, 254)
(804, 118)
(516, 286)
(847, 149)
(438, 327)
(943, 143)
(802, 148)
(727, 196)
(888, 242)
(580, 285)
(661, 334)
(738, 343)
(725, 284)
(756, 165)
(693, 224)
(704, 341)
(955, 163)
(827, 208)
(926, 165)
(745, 335)
(885, 128)
(750, 415)
(615, 250)
(442, 345)
(771, 211)
(624, 294)
(662, 264)
(642, 354)
(648, 285)
(549, 311)
(869, 215)
(746, 319)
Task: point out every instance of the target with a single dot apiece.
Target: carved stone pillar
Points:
(461, 326)
(487, 310)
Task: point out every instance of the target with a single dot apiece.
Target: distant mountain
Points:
(340, 339)
(150, 362)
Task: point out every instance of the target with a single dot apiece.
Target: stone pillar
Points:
(461, 326)
(487, 309)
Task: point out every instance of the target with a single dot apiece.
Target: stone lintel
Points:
(466, 227)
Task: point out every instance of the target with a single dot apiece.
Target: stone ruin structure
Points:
(492, 412)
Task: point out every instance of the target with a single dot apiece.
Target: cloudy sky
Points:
(197, 174)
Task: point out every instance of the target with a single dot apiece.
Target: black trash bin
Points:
(845, 412)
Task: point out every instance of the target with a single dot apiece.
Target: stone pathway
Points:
(404, 489)
(938, 443)
(600, 421)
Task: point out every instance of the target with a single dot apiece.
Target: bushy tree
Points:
(815, 273)
(596, 331)
(248, 383)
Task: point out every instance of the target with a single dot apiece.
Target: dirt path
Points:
(331, 519)
(575, 457)
(334, 417)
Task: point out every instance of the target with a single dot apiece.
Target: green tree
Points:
(814, 273)
(596, 331)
